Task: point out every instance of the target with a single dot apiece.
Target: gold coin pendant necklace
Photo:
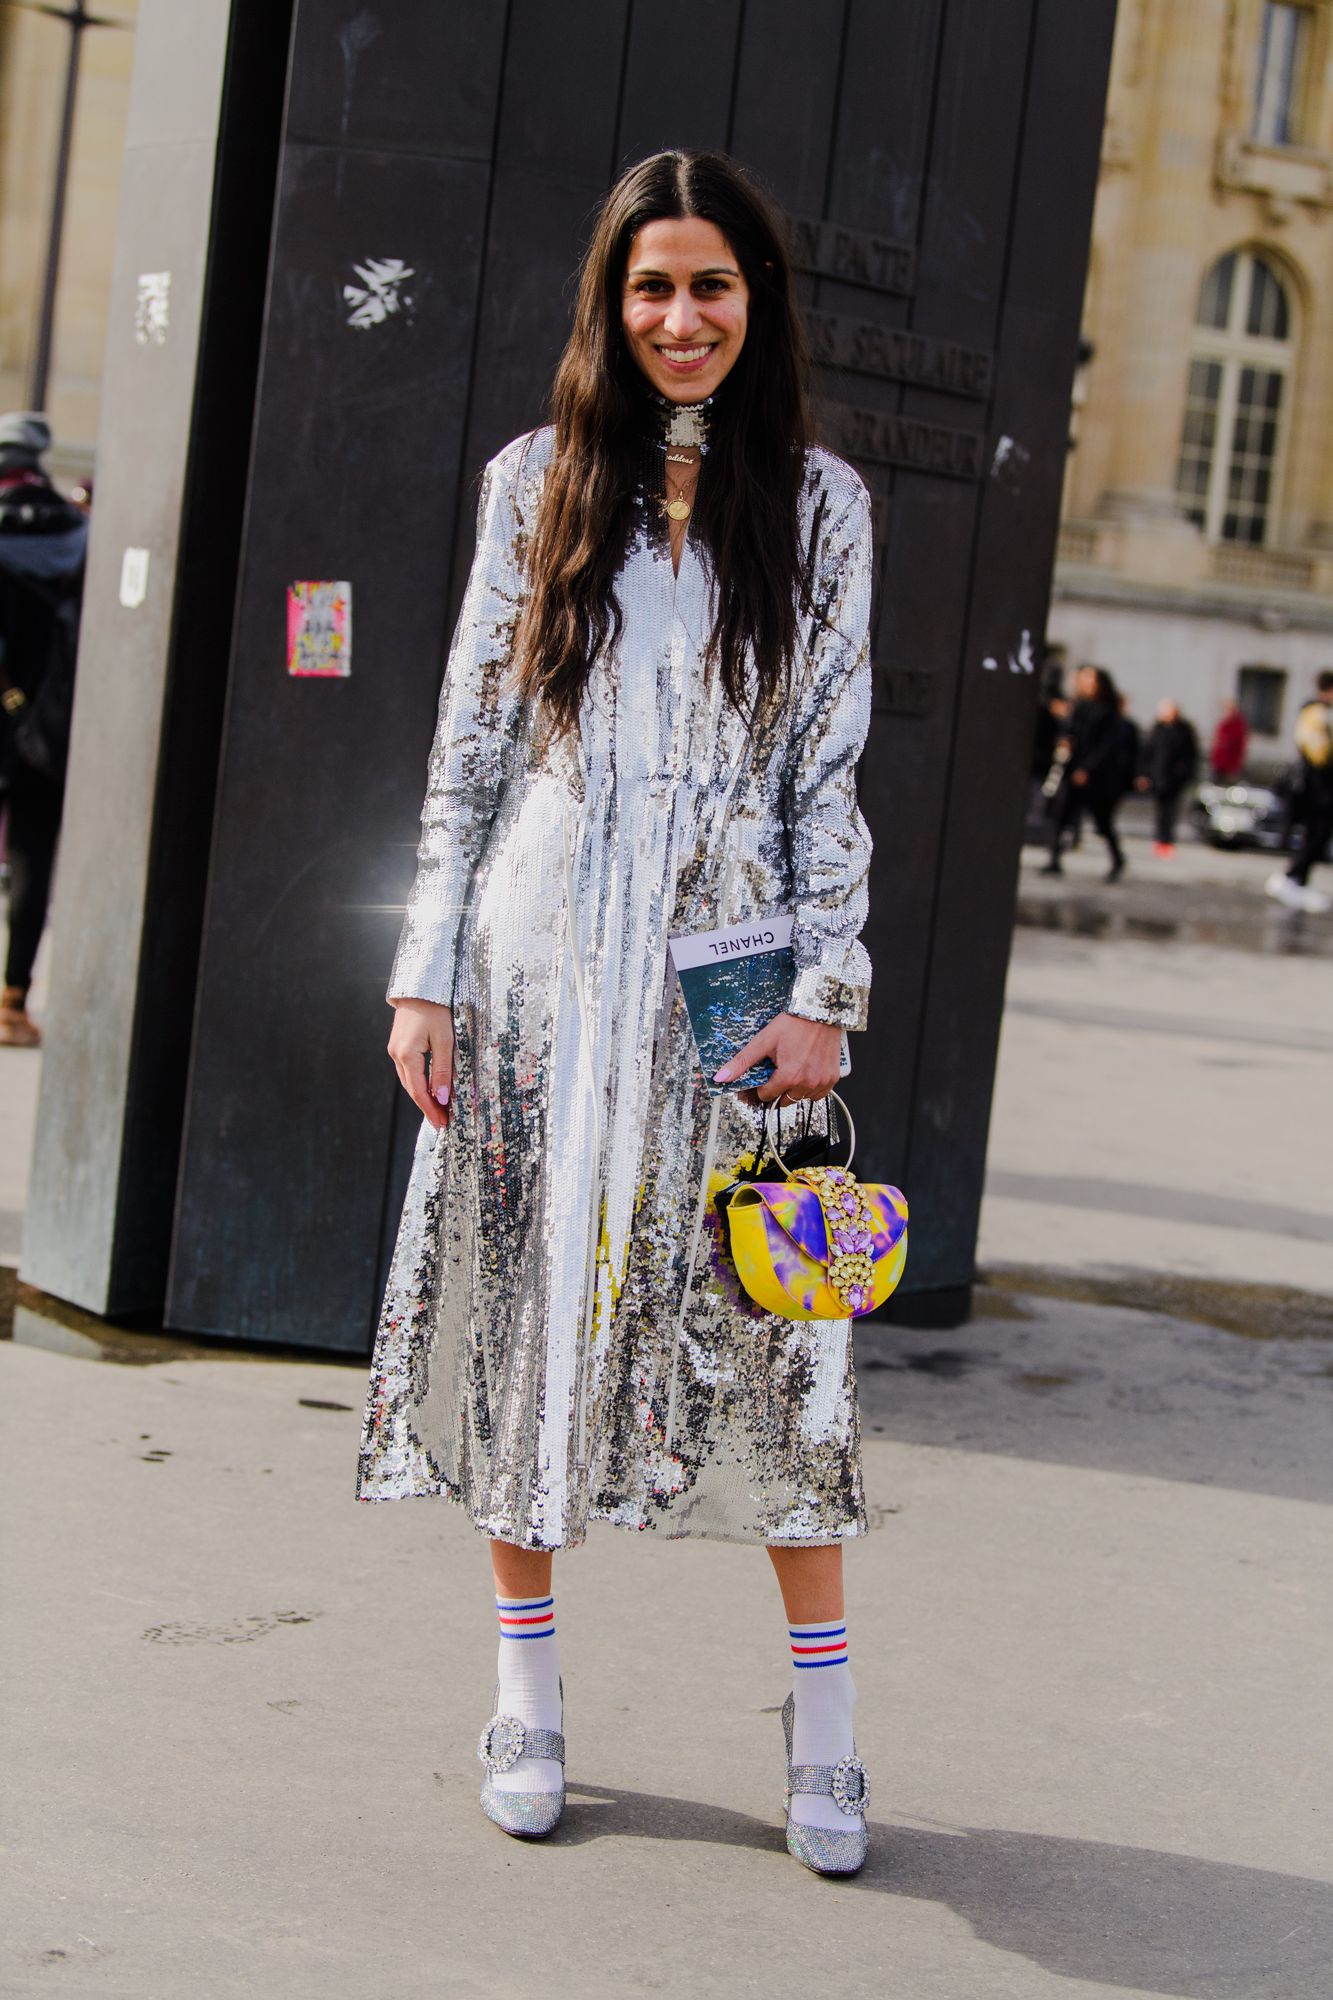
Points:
(684, 424)
(678, 508)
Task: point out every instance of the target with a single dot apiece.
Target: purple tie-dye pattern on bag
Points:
(801, 1276)
(890, 1221)
(801, 1217)
(797, 1238)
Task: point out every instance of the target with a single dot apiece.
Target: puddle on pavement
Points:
(34, 1319)
(946, 1362)
(1253, 1312)
(241, 1632)
(987, 1303)
(1259, 929)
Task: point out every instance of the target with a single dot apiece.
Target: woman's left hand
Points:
(806, 1055)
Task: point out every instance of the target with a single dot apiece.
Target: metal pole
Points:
(77, 21)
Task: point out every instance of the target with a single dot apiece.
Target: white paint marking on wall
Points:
(1024, 663)
(380, 293)
(1021, 660)
(133, 578)
(152, 308)
(1008, 460)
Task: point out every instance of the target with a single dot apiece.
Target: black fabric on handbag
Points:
(807, 1147)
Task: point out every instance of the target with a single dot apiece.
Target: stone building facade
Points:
(34, 51)
(1196, 551)
(1196, 548)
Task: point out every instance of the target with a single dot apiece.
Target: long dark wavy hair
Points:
(745, 509)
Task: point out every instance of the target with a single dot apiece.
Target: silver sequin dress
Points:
(561, 1338)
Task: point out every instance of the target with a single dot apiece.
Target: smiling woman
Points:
(685, 312)
(685, 304)
(654, 279)
(651, 719)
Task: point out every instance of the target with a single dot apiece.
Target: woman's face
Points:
(684, 307)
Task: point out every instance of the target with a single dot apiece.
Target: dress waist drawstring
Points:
(700, 1209)
(580, 990)
(595, 1203)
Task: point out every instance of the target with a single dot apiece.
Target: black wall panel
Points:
(359, 433)
(473, 142)
(669, 98)
(908, 786)
(786, 103)
(1008, 590)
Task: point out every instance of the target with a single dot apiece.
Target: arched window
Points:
(1230, 451)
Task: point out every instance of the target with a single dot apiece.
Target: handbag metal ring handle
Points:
(851, 1136)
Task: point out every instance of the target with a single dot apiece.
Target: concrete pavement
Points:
(1166, 1070)
(1090, 1635)
(1090, 1632)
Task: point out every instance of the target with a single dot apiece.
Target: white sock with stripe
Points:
(825, 1699)
(528, 1672)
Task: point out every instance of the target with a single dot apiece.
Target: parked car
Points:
(1240, 815)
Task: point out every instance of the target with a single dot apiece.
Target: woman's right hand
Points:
(421, 1049)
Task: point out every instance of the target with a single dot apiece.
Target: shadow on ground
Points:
(1119, 1377)
(1125, 1916)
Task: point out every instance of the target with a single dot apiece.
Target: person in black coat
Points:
(1170, 765)
(43, 540)
(1094, 774)
(1311, 802)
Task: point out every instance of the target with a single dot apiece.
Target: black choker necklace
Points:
(682, 424)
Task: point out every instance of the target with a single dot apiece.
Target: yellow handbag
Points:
(817, 1244)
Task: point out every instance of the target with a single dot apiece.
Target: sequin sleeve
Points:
(478, 725)
(828, 838)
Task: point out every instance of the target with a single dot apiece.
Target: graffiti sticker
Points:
(133, 578)
(152, 308)
(319, 629)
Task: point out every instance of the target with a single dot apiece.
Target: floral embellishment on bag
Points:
(850, 1225)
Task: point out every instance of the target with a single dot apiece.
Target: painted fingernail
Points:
(722, 1075)
(442, 1093)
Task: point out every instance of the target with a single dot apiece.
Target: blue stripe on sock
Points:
(808, 1666)
(549, 1633)
(523, 1603)
(818, 1632)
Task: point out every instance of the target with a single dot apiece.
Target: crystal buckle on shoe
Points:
(850, 1786)
(502, 1742)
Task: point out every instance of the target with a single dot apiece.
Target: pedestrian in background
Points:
(1311, 801)
(1051, 711)
(1129, 742)
(1170, 765)
(43, 541)
(1046, 770)
(652, 714)
(1095, 774)
(1231, 742)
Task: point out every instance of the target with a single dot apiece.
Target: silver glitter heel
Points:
(528, 1815)
(847, 1784)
